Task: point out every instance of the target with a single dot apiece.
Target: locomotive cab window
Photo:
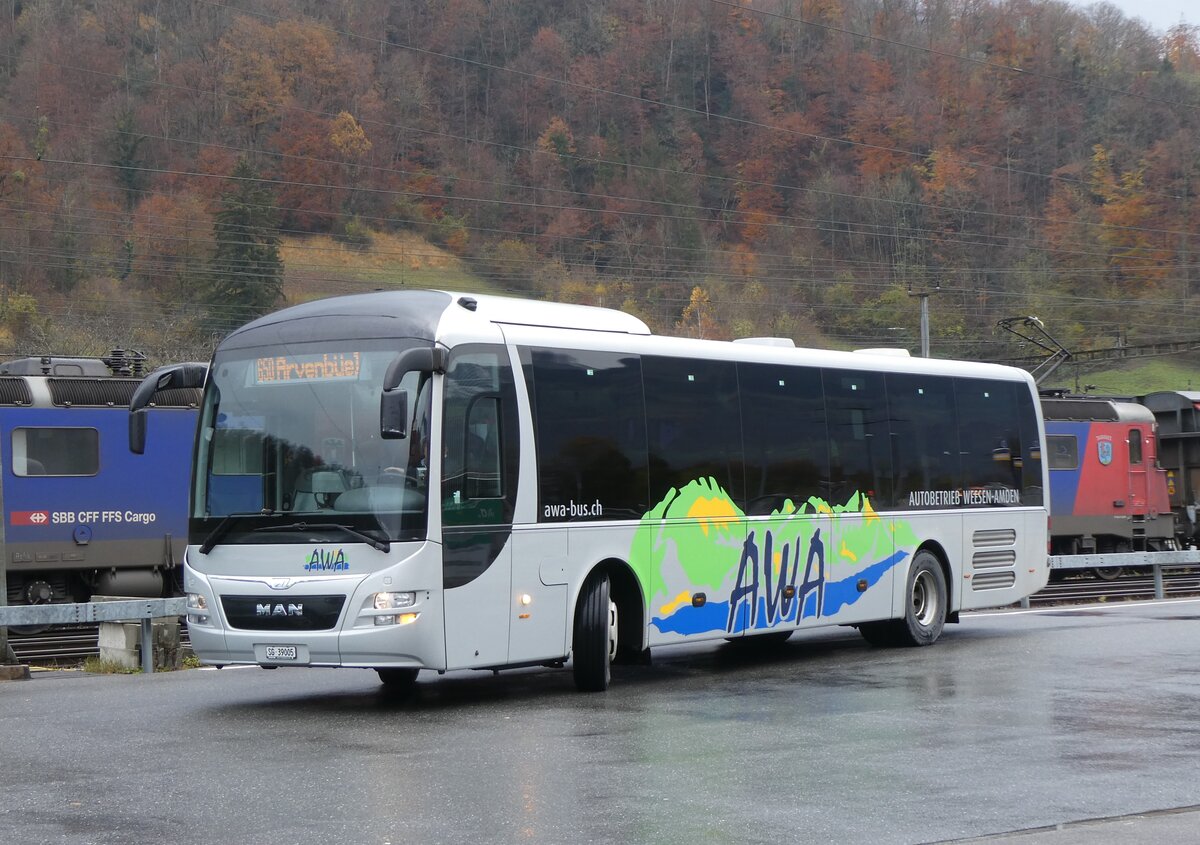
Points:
(1064, 451)
(55, 451)
(1135, 446)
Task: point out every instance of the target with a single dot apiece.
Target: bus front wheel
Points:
(397, 680)
(595, 641)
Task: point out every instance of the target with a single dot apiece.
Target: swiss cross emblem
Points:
(29, 517)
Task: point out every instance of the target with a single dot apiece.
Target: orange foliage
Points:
(1182, 48)
(172, 237)
(311, 194)
(883, 130)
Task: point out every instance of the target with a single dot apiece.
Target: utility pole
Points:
(924, 295)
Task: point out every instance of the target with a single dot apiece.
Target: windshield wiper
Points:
(223, 527)
(381, 545)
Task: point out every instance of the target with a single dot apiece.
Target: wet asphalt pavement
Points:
(1057, 726)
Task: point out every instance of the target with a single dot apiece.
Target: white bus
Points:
(414, 480)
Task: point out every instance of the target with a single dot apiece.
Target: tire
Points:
(925, 608)
(595, 641)
(398, 680)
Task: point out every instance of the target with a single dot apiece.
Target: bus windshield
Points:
(290, 448)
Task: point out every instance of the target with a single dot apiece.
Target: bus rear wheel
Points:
(595, 642)
(924, 610)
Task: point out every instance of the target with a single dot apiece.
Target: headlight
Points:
(394, 601)
(197, 605)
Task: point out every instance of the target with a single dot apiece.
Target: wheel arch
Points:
(626, 591)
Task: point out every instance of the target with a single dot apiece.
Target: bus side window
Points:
(925, 434)
(480, 452)
(483, 475)
(989, 436)
(856, 412)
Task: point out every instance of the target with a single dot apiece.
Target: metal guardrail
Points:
(1186, 557)
(1157, 561)
(127, 610)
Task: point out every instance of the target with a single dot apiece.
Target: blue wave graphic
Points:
(713, 616)
(696, 620)
(841, 593)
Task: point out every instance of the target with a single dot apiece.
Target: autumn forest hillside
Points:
(806, 168)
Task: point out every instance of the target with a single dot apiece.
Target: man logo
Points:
(261, 610)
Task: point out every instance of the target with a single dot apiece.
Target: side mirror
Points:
(393, 404)
(190, 375)
(393, 415)
(420, 359)
(137, 432)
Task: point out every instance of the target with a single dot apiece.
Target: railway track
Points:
(71, 645)
(1085, 587)
(63, 646)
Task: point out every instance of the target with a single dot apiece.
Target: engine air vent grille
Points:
(178, 397)
(14, 391)
(994, 537)
(95, 392)
(997, 580)
(995, 559)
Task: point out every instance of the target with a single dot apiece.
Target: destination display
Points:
(327, 366)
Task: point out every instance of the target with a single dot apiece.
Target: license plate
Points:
(280, 652)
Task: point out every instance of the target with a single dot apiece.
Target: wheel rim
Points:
(925, 598)
(612, 631)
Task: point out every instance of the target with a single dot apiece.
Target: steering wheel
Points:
(397, 475)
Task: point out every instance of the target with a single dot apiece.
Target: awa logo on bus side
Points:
(321, 560)
(779, 571)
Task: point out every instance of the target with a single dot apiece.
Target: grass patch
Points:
(317, 266)
(96, 666)
(1133, 378)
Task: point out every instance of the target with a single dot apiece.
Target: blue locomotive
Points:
(83, 515)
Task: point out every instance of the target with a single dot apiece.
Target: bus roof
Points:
(434, 315)
(420, 314)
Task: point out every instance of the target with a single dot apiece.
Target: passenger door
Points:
(480, 448)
